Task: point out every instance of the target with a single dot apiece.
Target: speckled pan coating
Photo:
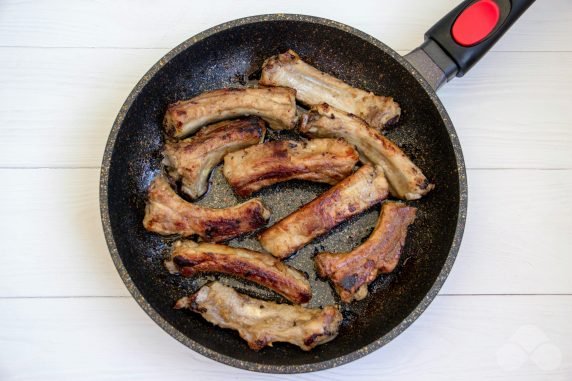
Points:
(225, 56)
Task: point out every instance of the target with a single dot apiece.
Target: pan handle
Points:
(461, 38)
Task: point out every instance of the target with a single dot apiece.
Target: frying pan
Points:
(229, 55)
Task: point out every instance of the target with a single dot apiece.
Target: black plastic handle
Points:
(453, 58)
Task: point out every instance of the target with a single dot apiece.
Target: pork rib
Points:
(262, 323)
(320, 160)
(193, 159)
(315, 87)
(276, 105)
(406, 181)
(351, 196)
(350, 273)
(167, 213)
(189, 258)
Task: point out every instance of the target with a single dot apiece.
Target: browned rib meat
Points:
(314, 87)
(276, 105)
(321, 160)
(167, 213)
(262, 323)
(351, 196)
(192, 160)
(189, 258)
(352, 272)
(406, 181)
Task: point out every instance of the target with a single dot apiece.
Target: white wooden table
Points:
(67, 66)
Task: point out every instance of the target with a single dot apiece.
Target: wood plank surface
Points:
(505, 117)
(514, 240)
(66, 68)
(165, 24)
(469, 338)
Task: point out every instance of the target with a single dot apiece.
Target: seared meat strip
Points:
(351, 272)
(406, 181)
(276, 105)
(193, 159)
(314, 87)
(351, 196)
(167, 213)
(320, 160)
(262, 323)
(189, 258)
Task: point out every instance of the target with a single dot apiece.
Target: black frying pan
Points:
(230, 55)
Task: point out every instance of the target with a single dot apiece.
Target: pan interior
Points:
(228, 58)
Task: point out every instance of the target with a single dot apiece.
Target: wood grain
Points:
(55, 244)
(514, 239)
(456, 338)
(165, 24)
(68, 66)
(510, 112)
(66, 104)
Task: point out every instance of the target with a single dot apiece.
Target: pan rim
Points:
(248, 365)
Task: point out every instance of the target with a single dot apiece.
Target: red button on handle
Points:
(476, 22)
